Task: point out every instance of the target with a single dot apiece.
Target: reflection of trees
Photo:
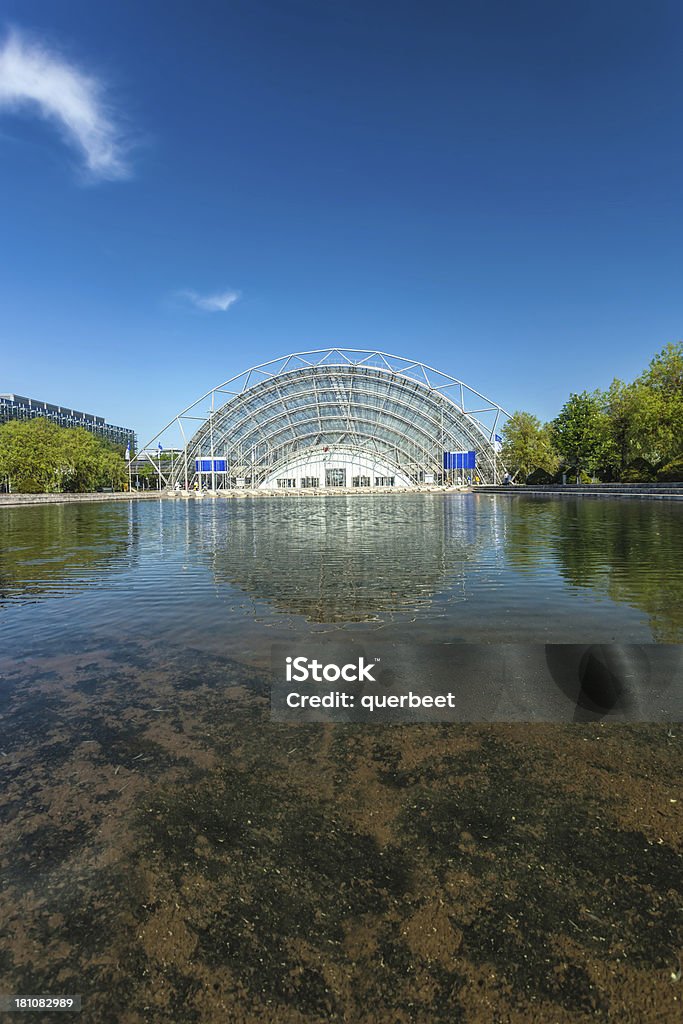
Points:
(345, 558)
(48, 549)
(529, 526)
(632, 551)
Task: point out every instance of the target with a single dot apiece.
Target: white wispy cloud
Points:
(32, 76)
(211, 303)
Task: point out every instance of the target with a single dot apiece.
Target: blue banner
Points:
(211, 465)
(459, 460)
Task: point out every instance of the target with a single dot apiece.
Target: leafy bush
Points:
(672, 472)
(570, 472)
(640, 471)
(540, 476)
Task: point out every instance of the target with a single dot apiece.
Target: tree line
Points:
(629, 433)
(38, 456)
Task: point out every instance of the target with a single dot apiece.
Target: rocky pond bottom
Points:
(169, 853)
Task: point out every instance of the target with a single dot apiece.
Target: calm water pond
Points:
(222, 575)
(170, 852)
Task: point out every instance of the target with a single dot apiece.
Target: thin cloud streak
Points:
(211, 303)
(32, 76)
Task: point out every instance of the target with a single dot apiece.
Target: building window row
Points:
(333, 478)
(13, 407)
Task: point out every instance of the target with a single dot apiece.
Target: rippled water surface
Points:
(222, 575)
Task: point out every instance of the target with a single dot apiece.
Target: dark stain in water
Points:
(312, 873)
(579, 874)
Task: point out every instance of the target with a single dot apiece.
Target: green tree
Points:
(31, 455)
(146, 475)
(38, 456)
(581, 433)
(91, 462)
(527, 445)
(645, 418)
(621, 406)
(660, 406)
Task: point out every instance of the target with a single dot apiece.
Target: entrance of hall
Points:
(335, 478)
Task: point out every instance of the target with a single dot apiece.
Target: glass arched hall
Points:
(332, 418)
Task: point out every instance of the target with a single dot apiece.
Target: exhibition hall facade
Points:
(332, 419)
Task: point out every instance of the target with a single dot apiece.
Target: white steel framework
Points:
(330, 417)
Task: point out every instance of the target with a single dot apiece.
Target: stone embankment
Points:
(667, 492)
(313, 492)
(11, 500)
(672, 492)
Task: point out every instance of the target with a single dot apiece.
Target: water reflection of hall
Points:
(346, 558)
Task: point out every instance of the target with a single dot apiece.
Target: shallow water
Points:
(170, 853)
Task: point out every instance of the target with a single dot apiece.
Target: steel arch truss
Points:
(399, 412)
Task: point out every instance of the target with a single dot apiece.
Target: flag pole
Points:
(497, 447)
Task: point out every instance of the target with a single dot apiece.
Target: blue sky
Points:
(188, 189)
